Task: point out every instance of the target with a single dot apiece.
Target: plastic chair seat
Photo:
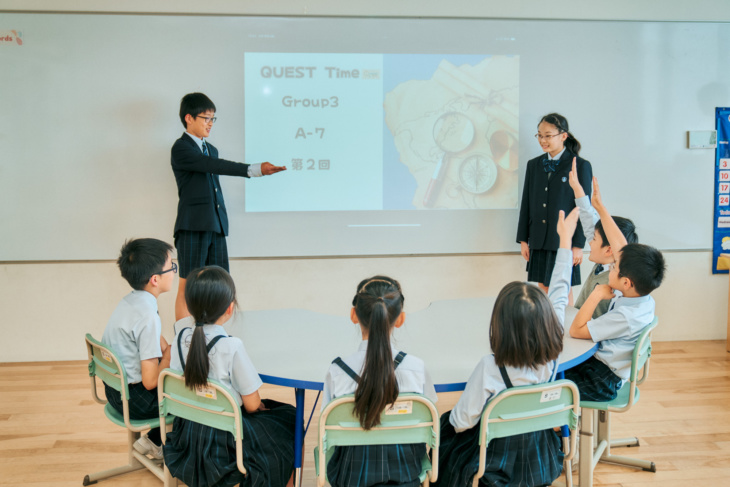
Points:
(620, 402)
(137, 424)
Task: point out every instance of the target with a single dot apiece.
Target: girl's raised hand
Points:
(596, 200)
(574, 183)
(566, 227)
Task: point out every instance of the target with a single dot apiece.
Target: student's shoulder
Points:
(184, 142)
(140, 303)
(535, 160)
(488, 366)
(412, 362)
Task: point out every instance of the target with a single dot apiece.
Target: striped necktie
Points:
(205, 149)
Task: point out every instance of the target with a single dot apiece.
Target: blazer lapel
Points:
(564, 167)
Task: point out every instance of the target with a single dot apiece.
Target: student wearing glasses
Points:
(134, 332)
(546, 192)
(202, 221)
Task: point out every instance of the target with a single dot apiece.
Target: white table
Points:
(294, 347)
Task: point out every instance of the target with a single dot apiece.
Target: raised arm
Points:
(588, 215)
(585, 175)
(616, 239)
(560, 280)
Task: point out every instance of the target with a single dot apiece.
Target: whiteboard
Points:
(90, 107)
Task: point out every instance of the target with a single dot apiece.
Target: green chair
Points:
(104, 364)
(212, 406)
(412, 419)
(600, 449)
(524, 409)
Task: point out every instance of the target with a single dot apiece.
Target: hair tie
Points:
(197, 323)
(380, 298)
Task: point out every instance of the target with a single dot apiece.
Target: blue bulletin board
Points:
(721, 234)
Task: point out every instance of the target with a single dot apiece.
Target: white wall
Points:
(46, 307)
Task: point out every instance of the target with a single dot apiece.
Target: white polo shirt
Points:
(133, 332)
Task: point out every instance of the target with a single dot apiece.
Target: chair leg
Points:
(136, 461)
(604, 433)
(625, 442)
(567, 465)
(133, 465)
(169, 480)
(585, 461)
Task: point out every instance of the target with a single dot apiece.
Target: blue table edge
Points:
(446, 387)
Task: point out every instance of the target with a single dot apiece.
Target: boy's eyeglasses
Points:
(547, 137)
(171, 269)
(207, 119)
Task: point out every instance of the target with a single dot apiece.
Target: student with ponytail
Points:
(545, 193)
(202, 456)
(376, 374)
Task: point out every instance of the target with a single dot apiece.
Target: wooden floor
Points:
(52, 433)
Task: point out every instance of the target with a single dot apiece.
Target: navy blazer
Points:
(542, 200)
(201, 206)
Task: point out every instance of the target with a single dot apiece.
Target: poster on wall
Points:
(721, 233)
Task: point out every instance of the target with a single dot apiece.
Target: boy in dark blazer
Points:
(202, 221)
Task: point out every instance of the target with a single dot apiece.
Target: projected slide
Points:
(364, 132)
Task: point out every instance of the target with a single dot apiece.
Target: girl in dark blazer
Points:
(545, 193)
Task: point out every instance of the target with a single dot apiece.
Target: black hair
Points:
(626, 226)
(643, 265)
(524, 330)
(208, 293)
(571, 143)
(194, 104)
(378, 304)
(142, 258)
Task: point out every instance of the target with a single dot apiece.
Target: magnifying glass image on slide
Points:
(453, 132)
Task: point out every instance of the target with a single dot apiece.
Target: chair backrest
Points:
(104, 364)
(642, 352)
(213, 405)
(524, 409)
(639, 361)
(413, 418)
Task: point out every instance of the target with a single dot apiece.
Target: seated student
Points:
(202, 456)
(376, 374)
(526, 337)
(134, 332)
(638, 270)
(601, 252)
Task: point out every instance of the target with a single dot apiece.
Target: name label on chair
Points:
(207, 392)
(550, 395)
(400, 407)
(106, 355)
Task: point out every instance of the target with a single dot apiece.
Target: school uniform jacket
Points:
(201, 206)
(543, 198)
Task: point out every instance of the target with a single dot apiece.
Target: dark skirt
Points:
(529, 459)
(595, 381)
(202, 456)
(541, 264)
(376, 465)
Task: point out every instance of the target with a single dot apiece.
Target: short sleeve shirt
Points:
(486, 382)
(411, 375)
(617, 331)
(133, 332)
(229, 362)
